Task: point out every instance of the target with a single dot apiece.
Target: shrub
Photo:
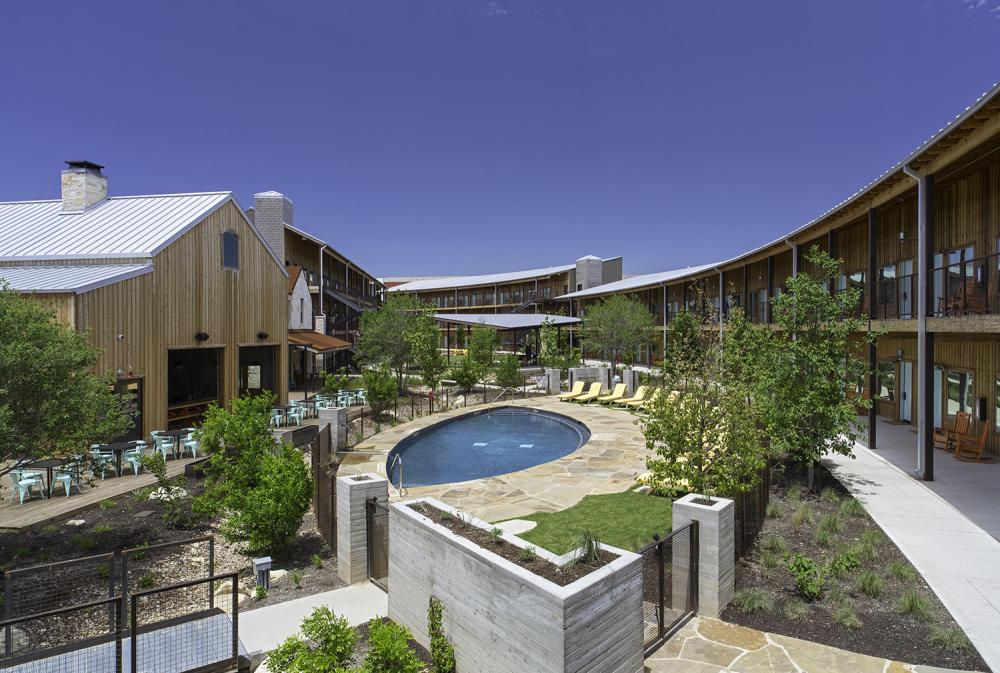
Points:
(381, 390)
(178, 510)
(871, 537)
(296, 576)
(528, 554)
(466, 374)
(902, 571)
(442, 652)
(871, 584)
(809, 578)
(774, 544)
(389, 649)
(333, 636)
(773, 510)
(496, 535)
(316, 561)
(769, 560)
(830, 523)
(843, 563)
(795, 610)
(912, 603)
(753, 600)
(103, 570)
(509, 372)
(287, 654)
(830, 495)
(83, 542)
(794, 493)
(803, 515)
(260, 593)
(147, 581)
(51, 529)
(950, 639)
(864, 551)
(845, 616)
(265, 518)
(590, 548)
(852, 507)
(103, 528)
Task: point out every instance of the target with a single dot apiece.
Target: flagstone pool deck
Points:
(608, 463)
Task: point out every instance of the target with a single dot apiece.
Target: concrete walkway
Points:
(958, 559)
(709, 646)
(263, 629)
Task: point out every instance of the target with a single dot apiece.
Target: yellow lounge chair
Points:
(592, 394)
(576, 391)
(640, 395)
(617, 394)
(639, 404)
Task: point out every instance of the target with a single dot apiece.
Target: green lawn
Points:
(626, 520)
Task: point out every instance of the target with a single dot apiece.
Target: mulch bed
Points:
(884, 631)
(561, 575)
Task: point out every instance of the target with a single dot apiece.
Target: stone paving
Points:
(608, 463)
(710, 646)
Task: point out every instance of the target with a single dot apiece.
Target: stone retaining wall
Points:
(502, 618)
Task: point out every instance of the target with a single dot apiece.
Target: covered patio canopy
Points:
(315, 342)
(510, 323)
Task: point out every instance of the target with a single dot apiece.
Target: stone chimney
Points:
(271, 212)
(83, 185)
(589, 272)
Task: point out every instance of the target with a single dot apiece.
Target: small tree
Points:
(333, 383)
(617, 326)
(553, 352)
(509, 372)
(50, 401)
(381, 389)
(483, 343)
(385, 333)
(705, 432)
(817, 353)
(262, 488)
(466, 375)
(427, 355)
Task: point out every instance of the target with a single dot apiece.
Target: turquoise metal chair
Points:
(190, 444)
(68, 476)
(295, 414)
(163, 444)
(277, 416)
(134, 457)
(24, 482)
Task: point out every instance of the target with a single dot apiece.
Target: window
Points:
(959, 385)
(886, 381)
(996, 404)
(230, 250)
(302, 311)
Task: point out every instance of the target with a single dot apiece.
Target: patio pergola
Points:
(514, 325)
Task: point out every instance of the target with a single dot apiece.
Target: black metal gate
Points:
(669, 584)
(377, 519)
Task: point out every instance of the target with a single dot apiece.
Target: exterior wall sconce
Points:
(262, 335)
(201, 336)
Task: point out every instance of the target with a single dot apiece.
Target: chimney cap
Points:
(84, 164)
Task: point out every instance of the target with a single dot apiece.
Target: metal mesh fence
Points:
(179, 628)
(150, 567)
(669, 584)
(69, 640)
(52, 586)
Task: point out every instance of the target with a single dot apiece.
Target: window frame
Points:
(971, 388)
(229, 234)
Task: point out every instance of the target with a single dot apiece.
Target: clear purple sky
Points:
(467, 136)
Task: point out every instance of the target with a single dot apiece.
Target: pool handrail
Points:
(399, 487)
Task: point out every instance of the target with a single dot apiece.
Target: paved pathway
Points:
(608, 463)
(263, 629)
(959, 560)
(709, 646)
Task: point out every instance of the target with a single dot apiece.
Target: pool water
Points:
(485, 444)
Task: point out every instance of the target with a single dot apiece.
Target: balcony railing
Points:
(964, 288)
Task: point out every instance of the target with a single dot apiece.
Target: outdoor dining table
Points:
(118, 448)
(49, 465)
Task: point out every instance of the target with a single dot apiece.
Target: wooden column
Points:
(872, 348)
(831, 247)
(770, 288)
(925, 208)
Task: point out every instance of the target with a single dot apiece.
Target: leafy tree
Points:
(51, 402)
(334, 382)
(705, 432)
(817, 352)
(262, 488)
(483, 343)
(427, 355)
(554, 353)
(381, 389)
(509, 372)
(617, 327)
(385, 333)
(683, 340)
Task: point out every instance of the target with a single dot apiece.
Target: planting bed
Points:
(542, 567)
(846, 616)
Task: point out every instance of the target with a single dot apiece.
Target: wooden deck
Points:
(15, 517)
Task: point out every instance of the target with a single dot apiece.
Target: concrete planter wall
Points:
(502, 618)
(716, 554)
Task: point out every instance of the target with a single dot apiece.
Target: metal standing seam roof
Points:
(76, 279)
(450, 282)
(503, 321)
(118, 227)
(636, 282)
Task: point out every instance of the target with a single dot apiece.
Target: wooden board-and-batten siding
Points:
(188, 292)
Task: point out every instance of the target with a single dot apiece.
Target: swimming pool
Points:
(483, 444)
